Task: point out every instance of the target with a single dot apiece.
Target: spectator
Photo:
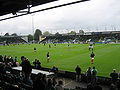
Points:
(97, 87)
(44, 78)
(15, 59)
(118, 84)
(114, 76)
(1, 58)
(89, 86)
(26, 70)
(54, 82)
(38, 64)
(22, 59)
(60, 85)
(78, 73)
(5, 59)
(55, 70)
(2, 68)
(113, 87)
(50, 85)
(8, 66)
(35, 63)
(38, 83)
(89, 74)
(15, 63)
(94, 73)
(11, 59)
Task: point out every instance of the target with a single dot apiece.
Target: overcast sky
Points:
(93, 15)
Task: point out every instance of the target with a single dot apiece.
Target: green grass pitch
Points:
(107, 56)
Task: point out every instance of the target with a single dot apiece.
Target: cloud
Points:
(91, 15)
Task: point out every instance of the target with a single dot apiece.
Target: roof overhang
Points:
(12, 6)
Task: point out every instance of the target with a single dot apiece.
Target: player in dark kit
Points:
(34, 49)
(48, 57)
(49, 46)
(55, 45)
(92, 55)
(68, 45)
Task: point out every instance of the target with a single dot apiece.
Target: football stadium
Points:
(56, 60)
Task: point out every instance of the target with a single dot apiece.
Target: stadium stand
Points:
(6, 40)
(100, 37)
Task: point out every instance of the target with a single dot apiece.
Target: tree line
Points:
(39, 33)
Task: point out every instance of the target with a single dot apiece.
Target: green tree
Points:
(37, 34)
(81, 32)
(72, 32)
(14, 34)
(7, 34)
(30, 37)
(57, 34)
(46, 33)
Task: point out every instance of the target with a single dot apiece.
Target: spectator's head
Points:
(15, 59)
(49, 82)
(53, 79)
(39, 76)
(114, 70)
(44, 76)
(112, 87)
(22, 58)
(89, 86)
(77, 65)
(94, 67)
(60, 82)
(89, 68)
(38, 61)
(35, 60)
(53, 67)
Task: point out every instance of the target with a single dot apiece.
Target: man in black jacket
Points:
(114, 76)
(78, 73)
(26, 70)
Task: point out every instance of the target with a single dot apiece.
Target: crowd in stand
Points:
(47, 84)
(41, 82)
(91, 79)
(9, 61)
(91, 74)
(37, 64)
